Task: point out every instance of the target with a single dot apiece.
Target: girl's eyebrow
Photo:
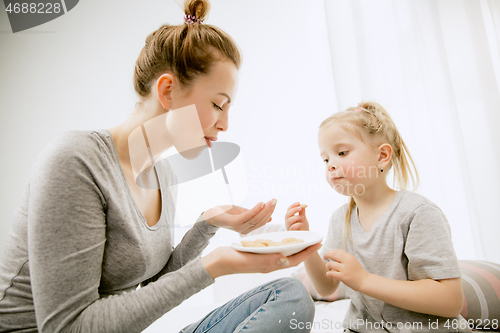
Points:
(335, 146)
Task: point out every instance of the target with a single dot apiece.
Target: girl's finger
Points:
(293, 205)
(292, 211)
(333, 265)
(292, 220)
(295, 226)
(333, 275)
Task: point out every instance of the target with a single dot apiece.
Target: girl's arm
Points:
(316, 270)
(315, 266)
(435, 297)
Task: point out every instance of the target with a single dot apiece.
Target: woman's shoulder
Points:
(70, 149)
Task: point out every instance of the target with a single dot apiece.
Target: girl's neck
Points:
(375, 198)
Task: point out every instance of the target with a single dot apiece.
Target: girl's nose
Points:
(331, 167)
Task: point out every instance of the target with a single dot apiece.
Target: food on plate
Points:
(268, 242)
(252, 244)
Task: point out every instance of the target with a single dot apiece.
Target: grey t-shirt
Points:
(79, 246)
(411, 241)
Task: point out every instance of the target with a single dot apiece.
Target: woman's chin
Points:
(193, 153)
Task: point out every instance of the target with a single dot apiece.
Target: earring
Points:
(381, 170)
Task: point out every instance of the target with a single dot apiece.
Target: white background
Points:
(75, 73)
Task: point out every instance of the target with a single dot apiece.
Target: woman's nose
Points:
(222, 123)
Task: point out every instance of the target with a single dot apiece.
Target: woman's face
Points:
(212, 96)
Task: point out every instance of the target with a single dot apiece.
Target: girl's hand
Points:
(226, 260)
(296, 222)
(236, 218)
(345, 268)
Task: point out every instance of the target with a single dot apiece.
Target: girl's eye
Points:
(325, 160)
(217, 107)
(343, 153)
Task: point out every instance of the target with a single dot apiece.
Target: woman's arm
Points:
(191, 246)
(226, 260)
(435, 297)
(67, 237)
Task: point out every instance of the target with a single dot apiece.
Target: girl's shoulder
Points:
(411, 201)
(338, 215)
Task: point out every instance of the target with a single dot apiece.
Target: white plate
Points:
(308, 237)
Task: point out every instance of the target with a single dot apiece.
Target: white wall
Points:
(76, 73)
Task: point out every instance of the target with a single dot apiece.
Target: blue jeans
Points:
(278, 306)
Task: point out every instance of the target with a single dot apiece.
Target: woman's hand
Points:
(237, 218)
(345, 268)
(296, 222)
(226, 260)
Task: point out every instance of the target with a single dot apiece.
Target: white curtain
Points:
(435, 65)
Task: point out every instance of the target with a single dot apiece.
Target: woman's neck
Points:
(130, 140)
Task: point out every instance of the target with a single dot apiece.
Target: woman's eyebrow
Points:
(228, 98)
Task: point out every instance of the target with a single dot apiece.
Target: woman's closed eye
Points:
(217, 107)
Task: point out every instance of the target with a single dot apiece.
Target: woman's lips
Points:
(209, 140)
(209, 143)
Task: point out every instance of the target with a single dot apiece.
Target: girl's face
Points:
(213, 95)
(351, 166)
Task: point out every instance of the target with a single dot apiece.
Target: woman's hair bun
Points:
(198, 8)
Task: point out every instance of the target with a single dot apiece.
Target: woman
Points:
(86, 235)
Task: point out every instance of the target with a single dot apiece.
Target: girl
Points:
(86, 234)
(392, 249)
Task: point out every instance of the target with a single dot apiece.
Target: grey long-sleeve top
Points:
(79, 246)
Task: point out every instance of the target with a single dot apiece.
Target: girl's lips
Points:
(336, 178)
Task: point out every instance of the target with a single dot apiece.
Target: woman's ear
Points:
(384, 155)
(164, 86)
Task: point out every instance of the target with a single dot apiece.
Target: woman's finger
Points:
(266, 211)
(297, 258)
(244, 217)
(261, 220)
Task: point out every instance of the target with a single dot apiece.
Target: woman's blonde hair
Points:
(373, 125)
(188, 50)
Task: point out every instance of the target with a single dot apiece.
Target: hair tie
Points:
(358, 109)
(190, 19)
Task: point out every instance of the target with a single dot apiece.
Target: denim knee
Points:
(292, 290)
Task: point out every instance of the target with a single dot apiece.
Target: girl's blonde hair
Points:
(373, 125)
(187, 50)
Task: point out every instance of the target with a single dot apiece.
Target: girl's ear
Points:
(164, 86)
(384, 155)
